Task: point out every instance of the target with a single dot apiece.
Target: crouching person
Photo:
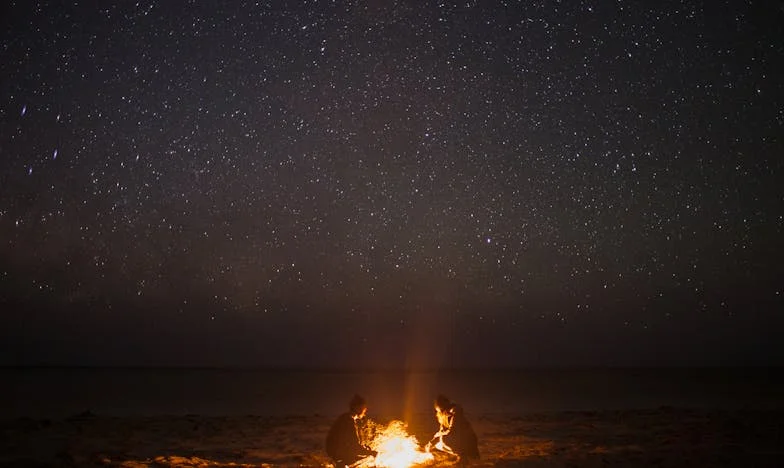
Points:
(344, 445)
(455, 436)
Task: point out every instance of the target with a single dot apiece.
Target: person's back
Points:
(342, 443)
(461, 437)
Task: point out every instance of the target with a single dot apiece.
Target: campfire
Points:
(396, 448)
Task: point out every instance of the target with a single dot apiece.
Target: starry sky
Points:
(387, 183)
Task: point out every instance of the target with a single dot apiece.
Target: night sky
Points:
(392, 183)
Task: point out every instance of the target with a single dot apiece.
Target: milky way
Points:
(548, 179)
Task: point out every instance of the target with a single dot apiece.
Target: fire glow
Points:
(396, 448)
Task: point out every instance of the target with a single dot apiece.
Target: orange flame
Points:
(397, 448)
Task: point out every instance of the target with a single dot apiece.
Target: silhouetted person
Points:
(344, 444)
(455, 435)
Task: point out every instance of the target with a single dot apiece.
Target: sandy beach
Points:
(664, 437)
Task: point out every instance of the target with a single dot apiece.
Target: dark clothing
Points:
(461, 438)
(343, 444)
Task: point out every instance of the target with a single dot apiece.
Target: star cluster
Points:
(351, 168)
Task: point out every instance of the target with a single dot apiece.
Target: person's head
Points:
(358, 407)
(442, 403)
(443, 409)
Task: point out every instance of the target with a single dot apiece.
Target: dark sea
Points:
(64, 392)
